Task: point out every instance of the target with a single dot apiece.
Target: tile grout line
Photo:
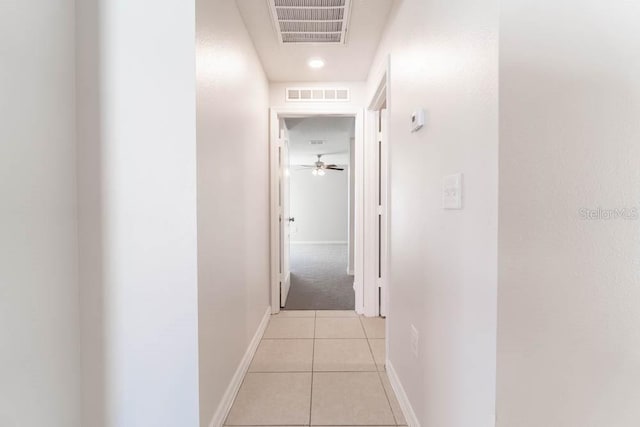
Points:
(321, 339)
(313, 358)
(363, 329)
(244, 378)
(309, 372)
(313, 371)
(380, 374)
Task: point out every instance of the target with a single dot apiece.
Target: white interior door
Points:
(285, 215)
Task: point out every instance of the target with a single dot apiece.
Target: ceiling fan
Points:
(320, 167)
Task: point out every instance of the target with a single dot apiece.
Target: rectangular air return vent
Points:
(309, 94)
(316, 142)
(311, 21)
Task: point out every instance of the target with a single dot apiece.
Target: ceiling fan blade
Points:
(335, 152)
(334, 168)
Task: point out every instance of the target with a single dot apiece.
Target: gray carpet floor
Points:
(319, 279)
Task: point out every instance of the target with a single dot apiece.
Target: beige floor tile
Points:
(290, 327)
(395, 406)
(374, 326)
(291, 355)
(349, 398)
(347, 355)
(378, 348)
(339, 328)
(296, 313)
(272, 399)
(336, 313)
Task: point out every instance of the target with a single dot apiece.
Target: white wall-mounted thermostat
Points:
(452, 192)
(417, 120)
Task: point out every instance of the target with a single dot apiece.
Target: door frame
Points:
(378, 287)
(278, 113)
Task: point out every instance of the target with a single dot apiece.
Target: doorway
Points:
(317, 215)
(377, 200)
(319, 187)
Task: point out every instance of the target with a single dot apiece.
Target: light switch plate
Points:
(418, 119)
(452, 191)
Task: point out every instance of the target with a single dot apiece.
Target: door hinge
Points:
(380, 210)
(380, 283)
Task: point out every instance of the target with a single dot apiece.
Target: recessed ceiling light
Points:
(316, 63)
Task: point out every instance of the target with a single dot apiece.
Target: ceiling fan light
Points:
(314, 172)
(321, 172)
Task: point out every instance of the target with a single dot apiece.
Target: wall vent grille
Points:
(311, 21)
(304, 94)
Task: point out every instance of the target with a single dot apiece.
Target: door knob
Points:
(292, 219)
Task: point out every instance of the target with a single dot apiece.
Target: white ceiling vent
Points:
(311, 21)
(316, 142)
(309, 94)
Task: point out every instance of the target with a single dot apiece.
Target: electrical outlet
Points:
(415, 341)
(452, 191)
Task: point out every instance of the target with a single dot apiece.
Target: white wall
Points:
(39, 309)
(569, 348)
(233, 196)
(443, 263)
(320, 205)
(137, 165)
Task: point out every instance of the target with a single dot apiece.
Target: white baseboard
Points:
(232, 390)
(405, 405)
(328, 242)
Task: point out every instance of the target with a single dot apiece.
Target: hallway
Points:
(480, 175)
(318, 368)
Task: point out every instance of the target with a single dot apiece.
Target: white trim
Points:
(296, 165)
(325, 110)
(322, 242)
(274, 141)
(383, 211)
(381, 73)
(372, 304)
(380, 96)
(405, 405)
(230, 394)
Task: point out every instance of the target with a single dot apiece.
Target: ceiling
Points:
(336, 132)
(288, 63)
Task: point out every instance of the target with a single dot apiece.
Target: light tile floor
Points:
(323, 368)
